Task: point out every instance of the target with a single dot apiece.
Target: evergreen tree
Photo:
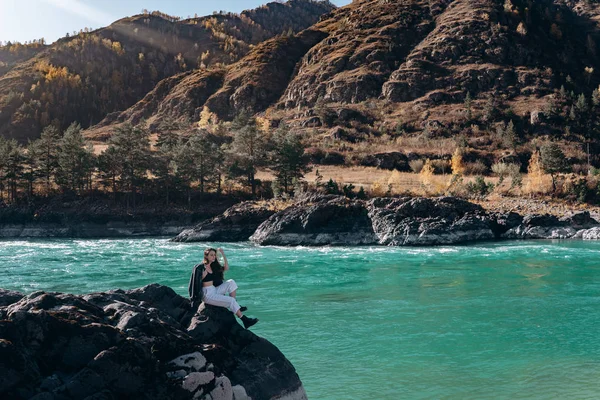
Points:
(132, 147)
(468, 106)
(287, 158)
(47, 149)
(247, 153)
(11, 168)
(197, 160)
(32, 166)
(165, 166)
(110, 167)
(581, 104)
(510, 135)
(553, 161)
(75, 160)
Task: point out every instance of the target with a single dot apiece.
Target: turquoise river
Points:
(506, 320)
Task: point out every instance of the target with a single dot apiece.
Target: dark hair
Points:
(216, 267)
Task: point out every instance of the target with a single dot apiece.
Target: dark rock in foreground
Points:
(143, 343)
(235, 224)
(317, 220)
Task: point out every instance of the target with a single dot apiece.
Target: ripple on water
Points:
(493, 320)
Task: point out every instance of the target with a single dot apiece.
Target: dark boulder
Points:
(337, 221)
(348, 115)
(390, 161)
(580, 220)
(502, 222)
(345, 135)
(143, 343)
(422, 221)
(321, 157)
(543, 226)
(236, 224)
(312, 122)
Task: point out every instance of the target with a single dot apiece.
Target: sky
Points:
(24, 20)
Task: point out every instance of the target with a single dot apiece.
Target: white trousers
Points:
(218, 296)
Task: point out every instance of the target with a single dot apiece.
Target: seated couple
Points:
(206, 284)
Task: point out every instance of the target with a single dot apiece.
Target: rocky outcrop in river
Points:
(316, 220)
(235, 224)
(144, 343)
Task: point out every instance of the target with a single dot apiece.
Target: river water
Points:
(496, 320)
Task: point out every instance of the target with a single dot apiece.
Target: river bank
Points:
(319, 220)
(311, 219)
(103, 217)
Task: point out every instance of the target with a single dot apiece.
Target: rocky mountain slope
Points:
(84, 77)
(407, 66)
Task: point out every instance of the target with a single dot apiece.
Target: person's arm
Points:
(225, 263)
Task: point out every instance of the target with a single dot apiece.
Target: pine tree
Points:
(75, 160)
(247, 153)
(198, 159)
(553, 161)
(132, 147)
(110, 167)
(510, 135)
(47, 146)
(287, 158)
(468, 106)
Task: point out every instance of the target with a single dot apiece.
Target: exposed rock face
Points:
(336, 221)
(89, 230)
(590, 234)
(395, 222)
(316, 220)
(421, 221)
(235, 224)
(541, 227)
(142, 343)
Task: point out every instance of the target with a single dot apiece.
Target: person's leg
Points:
(223, 301)
(229, 286)
(211, 297)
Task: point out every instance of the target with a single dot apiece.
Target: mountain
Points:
(89, 75)
(408, 66)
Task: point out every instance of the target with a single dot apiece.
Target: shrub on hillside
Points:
(479, 187)
(416, 165)
(476, 168)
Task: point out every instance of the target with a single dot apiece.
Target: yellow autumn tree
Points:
(457, 164)
(426, 173)
(395, 180)
(535, 174)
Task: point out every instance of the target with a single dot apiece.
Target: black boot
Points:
(243, 309)
(248, 322)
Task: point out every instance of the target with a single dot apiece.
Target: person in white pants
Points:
(214, 290)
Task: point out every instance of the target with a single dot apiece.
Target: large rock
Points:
(421, 221)
(315, 219)
(392, 160)
(236, 224)
(544, 226)
(590, 234)
(337, 221)
(143, 343)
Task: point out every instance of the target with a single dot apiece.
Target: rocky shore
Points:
(101, 217)
(316, 220)
(144, 343)
(113, 229)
